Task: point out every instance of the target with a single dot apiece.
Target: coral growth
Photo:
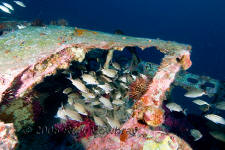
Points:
(53, 22)
(37, 22)
(88, 128)
(22, 111)
(62, 22)
(186, 62)
(165, 144)
(18, 112)
(8, 139)
(154, 116)
(138, 88)
(84, 129)
(143, 139)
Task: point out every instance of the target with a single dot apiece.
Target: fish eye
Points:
(178, 60)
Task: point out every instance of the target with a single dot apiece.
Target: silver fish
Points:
(123, 79)
(106, 79)
(8, 5)
(80, 109)
(98, 121)
(114, 123)
(117, 95)
(133, 77)
(216, 119)
(109, 72)
(129, 111)
(73, 115)
(195, 93)
(20, 3)
(74, 96)
(61, 113)
(118, 102)
(116, 66)
(67, 90)
(129, 79)
(89, 79)
(89, 100)
(70, 100)
(5, 9)
(92, 73)
(106, 87)
(126, 71)
(200, 102)
(174, 107)
(97, 91)
(79, 85)
(143, 76)
(196, 134)
(204, 108)
(220, 105)
(88, 95)
(95, 103)
(218, 135)
(106, 102)
(124, 85)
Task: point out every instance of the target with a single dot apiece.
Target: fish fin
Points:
(70, 77)
(62, 107)
(114, 79)
(205, 92)
(100, 68)
(185, 111)
(110, 62)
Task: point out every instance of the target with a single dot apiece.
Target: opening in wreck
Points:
(53, 87)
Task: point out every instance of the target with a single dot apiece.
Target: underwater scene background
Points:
(198, 23)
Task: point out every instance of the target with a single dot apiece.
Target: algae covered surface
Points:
(17, 112)
(22, 47)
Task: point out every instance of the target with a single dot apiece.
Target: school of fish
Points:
(96, 91)
(8, 8)
(205, 107)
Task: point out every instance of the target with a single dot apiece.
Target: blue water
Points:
(199, 23)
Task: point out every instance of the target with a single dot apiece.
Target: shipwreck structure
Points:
(33, 53)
